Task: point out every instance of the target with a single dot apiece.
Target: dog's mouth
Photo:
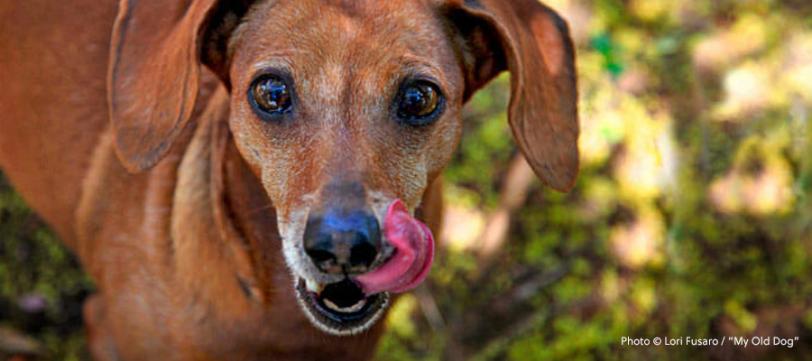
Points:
(341, 308)
(352, 304)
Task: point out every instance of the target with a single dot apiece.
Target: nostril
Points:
(361, 256)
(318, 246)
(323, 259)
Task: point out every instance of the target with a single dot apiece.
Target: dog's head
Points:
(346, 111)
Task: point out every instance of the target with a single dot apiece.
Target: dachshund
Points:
(249, 180)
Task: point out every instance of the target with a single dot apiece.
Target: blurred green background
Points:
(691, 216)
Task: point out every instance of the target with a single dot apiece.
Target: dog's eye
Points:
(271, 95)
(419, 103)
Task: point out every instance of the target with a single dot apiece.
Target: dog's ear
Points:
(157, 49)
(533, 43)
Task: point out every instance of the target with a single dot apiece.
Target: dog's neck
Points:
(247, 220)
(227, 206)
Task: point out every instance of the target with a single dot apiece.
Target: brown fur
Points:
(177, 198)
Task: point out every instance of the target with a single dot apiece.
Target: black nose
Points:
(342, 242)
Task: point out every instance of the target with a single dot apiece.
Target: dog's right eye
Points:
(270, 95)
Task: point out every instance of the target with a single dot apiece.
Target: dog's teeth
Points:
(354, 308)
(312, 286)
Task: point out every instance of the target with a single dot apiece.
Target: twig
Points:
(429, 308)
(513, 194)
(13, 342)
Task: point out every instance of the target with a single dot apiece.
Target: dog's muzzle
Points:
(349, 245)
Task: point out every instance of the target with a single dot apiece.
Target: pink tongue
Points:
(414, 251)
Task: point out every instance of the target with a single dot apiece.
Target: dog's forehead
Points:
(344, 31)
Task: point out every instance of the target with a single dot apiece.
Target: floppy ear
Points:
(533, 43)
(154, 70)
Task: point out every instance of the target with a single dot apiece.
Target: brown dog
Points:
(239, 177)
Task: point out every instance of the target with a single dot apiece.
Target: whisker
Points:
(260, 209)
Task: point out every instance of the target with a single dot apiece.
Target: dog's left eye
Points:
(419, 103)
(271, 95)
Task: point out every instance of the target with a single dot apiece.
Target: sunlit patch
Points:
(747, 89)
(462, 226)
(399, 320)
(639, 243)
(798, 75)
(760, 183)
(800, 80)
(747, 36)
(648, 166)
(652, 10)
(603, 125)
